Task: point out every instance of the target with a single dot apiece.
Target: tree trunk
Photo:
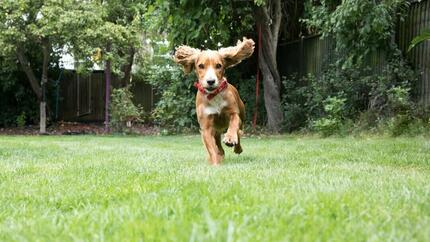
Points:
(25, 64)
(269, 18)
(39, 90)
(46, 48)
(127, 67)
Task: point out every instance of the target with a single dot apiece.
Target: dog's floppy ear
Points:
(234, 55)
(186, 56)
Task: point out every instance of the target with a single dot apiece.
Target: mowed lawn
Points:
(87, 188)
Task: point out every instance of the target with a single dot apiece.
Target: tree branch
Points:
(128, 66)
(46, 48)
(276, 20)
(25, 64)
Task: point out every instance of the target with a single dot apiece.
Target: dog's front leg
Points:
(209, 139)
(231, 137)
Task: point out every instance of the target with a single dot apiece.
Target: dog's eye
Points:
(201, 66)
(218, 66)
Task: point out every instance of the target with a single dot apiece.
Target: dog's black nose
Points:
(211, 82)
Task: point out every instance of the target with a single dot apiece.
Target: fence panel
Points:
(82, 97)
(310, 55)
(417, 21)
(305, 56)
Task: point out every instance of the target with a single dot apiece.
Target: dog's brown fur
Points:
(226, 110)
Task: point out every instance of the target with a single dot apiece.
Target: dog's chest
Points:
(215, 105)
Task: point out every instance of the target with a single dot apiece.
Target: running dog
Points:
(218, 105)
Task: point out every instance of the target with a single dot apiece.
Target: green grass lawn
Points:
(87, 188)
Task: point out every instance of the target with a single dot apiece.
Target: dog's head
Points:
(210, 64)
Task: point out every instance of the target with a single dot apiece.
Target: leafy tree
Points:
(112, 40)
(211, 24)
(44, 25)
(115, 37)
(360, 27)
(203, 24)
(92, 31)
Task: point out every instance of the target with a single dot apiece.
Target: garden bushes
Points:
(175, 110)
(355, 99)
(123, 111)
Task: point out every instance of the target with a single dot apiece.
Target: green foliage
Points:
(260, 2)
(207, 24)
(113, 23)
(294, 102)
(123, 110)
(25, 22)
(406, 117)
(175, 109)
(81, 28)
(331, 123)
(371, 97)
(304, 98)
(16, 95)
(246, 88)
(20, 120)
(398, 98)
(360, 27)
(425, 36)
(390, 92)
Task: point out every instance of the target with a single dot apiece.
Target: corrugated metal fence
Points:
(312, 54)
(417, 21)
(307, 55)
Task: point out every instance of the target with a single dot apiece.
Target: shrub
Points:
(123, 111)
(20, 120)
(332, 122)
(175, 110)
(16, 97)
(413, 120)
(371, 97)
(374, 99)
(246, 88)
(294, 99)
(359, 26)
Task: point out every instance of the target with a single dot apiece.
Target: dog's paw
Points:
(230, 140)
(238, 149)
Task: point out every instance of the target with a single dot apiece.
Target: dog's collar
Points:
(215, 92)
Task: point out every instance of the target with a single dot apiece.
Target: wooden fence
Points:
(312, 54)
(82, 97)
